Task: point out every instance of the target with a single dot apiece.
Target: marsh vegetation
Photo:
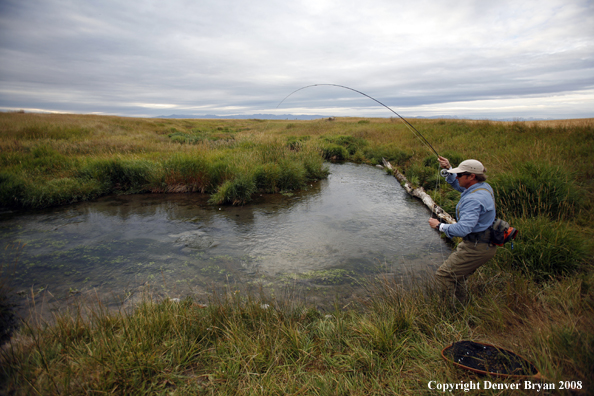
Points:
(537, 299)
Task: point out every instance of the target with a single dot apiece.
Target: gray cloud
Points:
(427, 57)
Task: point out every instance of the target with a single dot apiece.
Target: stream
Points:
(327, 243)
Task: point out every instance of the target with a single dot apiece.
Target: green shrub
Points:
(292, 176)
(18, 192)
(12, 190)
(182, 164)
(186, 164)
(289, 173)
(358, 157)
(130, 176)
(296, 142)
(219, 171)
(193, 171)
(334, 152)
(178, 137)
(350, 143)
(45, 160)
(61, 191)
(537, 190)
(449, 202)
(314, 165)
(266, 177)
(237, 191)
(445, 197)
(423, 176)
(452, 156)
(545, 248)
(273, 152)
(391, 153)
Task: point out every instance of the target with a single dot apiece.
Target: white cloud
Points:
(556, 106)
(225, 56)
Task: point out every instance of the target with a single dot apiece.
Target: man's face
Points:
(465, 179)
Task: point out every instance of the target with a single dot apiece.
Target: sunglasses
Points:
(459, 175)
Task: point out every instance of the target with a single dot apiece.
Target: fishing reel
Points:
(443, 172)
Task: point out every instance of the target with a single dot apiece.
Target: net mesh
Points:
(489, 358)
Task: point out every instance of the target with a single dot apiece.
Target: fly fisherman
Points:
(475, 214)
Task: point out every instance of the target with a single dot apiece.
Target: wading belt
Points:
(479, 237)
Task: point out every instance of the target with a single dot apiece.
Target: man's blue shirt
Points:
(475, 211)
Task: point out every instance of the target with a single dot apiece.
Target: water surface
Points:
(319, 243)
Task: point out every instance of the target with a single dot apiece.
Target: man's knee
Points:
(445, 279)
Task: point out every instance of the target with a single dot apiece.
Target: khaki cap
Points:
(470, 166)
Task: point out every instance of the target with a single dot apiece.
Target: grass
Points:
(537, 299)
(239, 344)
(80, 158)
(50, 160)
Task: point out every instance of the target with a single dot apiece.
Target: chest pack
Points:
(501, 232)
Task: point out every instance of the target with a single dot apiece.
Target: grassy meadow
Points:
(537, 299)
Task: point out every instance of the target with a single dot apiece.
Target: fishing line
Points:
(437, 189)
(414, 130)
(408, 124)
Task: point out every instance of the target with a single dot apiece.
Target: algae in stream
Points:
(335, 276)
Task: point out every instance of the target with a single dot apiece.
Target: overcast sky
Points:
(478, 59)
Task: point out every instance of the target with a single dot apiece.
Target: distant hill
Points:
(317, 116)
(250, 116)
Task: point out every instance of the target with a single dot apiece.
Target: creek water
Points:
(327, 242)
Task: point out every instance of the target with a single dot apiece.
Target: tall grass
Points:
(240, 344)
(534, 189)
(115, 174)
(189, 173)
(535, 299)
(546, 248)
(237, 191)
(53, 171)
(37, 148)
(8, 318)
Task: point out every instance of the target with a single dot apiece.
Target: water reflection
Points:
(357, 222)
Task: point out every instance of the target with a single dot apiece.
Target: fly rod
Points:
(408, 124)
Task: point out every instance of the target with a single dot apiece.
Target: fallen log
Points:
(420, 194)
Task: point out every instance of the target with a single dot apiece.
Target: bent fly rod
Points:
(408, 124)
